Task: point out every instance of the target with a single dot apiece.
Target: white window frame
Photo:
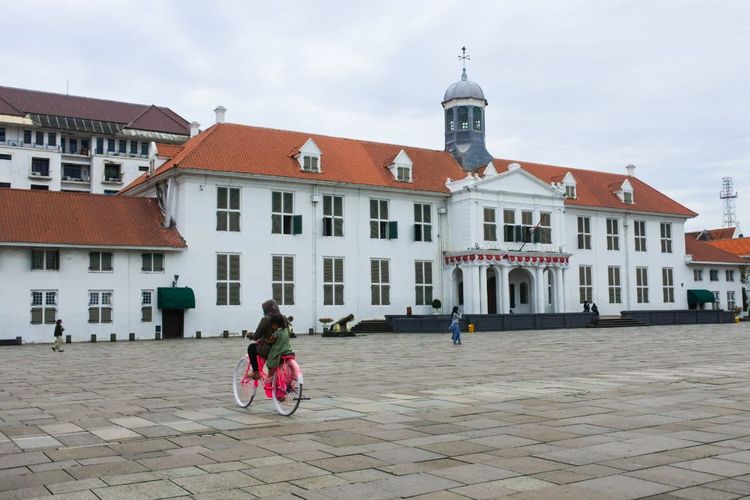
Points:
(570, 191)
(697, 274)
(667, 280)
(423, 282)
(282, 280)
(310, 163)
(641, 285)
(489, 224)
(509, 225)
(713, 275)
(149, 258)
(639, 235)
(147, 306)
(333, 281)
(585, 287)
(378, 220)
(665, 229)
(228, 217)
(282, 215)
(729, 275)
(101, 301)
(333, 222)
(50, 259)
(380, 283)
(45, 302)
(614, 284)
(584, 233)
(422, 222)
(545, 230)
(613, 234)
(229, 284)
(731, 300)
(96, 262)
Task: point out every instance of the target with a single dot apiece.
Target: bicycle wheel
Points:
(243, 386)
(286, 387)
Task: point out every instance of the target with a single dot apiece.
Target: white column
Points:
(564, 288)
(471, 290)
(483, 289)
(558, 290)
(504, 290)
(538, 290)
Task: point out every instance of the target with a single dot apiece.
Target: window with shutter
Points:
(422, 222)
(100, 306)
(227, 209)
(509, 225)
(333, 215)
(43, 307)
(380, 282)
(423, 282)
(282, 279)
(379, 219)
(490, 229)
(228, 279)
(282, 213)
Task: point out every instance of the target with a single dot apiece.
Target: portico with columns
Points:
(496, 282)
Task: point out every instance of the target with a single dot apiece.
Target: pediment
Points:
(517, 181)
(309, 147)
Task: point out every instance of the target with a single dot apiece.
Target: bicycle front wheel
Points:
(286, 388)
(243, 386)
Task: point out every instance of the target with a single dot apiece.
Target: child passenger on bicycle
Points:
(279, 340)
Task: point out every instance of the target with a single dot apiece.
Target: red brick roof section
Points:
(736, 246)
(167, 150)
(7, 108)
(595, 189)
(723, 233)
(705, 252)
(47, 217)
(48, 103)
(250, 150)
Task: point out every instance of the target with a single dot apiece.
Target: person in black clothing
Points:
(586, 307)
(57, 346)
(261, 347)
(595, 310)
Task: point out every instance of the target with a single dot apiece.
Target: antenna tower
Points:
(728, 194)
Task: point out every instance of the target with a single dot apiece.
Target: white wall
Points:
(627, 258)
(72, 282)
(196, 221)
(721, 285)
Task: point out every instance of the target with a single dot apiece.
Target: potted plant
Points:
(436, 305)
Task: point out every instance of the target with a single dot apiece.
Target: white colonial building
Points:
(61, 142)
(329, 226)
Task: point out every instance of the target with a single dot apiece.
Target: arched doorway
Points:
(521, 291)
(492, 280)
(458, 288)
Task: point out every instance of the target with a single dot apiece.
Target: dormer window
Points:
(310, 163)
(569, 185)
(625, 193)
(401, 167)
(309, 156)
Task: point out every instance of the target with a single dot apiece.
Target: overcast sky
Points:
(662, 84)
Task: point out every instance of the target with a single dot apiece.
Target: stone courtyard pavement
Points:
(566, 414)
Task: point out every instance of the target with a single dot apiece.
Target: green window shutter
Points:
(518, 233)
(392, 230)
(297, 224)
(537, 235)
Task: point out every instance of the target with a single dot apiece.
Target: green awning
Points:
(175, 298)
(700, 296)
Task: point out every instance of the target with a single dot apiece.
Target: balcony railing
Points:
(82, 179)
(108, 179)
(20, 144)
(87, 152)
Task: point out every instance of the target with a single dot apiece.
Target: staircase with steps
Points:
(615, 322)
(372, 326)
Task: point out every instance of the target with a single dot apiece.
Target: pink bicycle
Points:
(284, 387)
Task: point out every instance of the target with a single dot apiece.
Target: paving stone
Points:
(473, 473)
(348, 463)
(68, 486)
(215, 482)
(20, 459)
(674, 476)
(624, 487)
(287, 472)
(138, 491)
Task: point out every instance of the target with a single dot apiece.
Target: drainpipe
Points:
(445, 277)
(626, 277)
(314, 199)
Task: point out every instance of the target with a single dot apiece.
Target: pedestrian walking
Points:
(454, 328)
(57, 346)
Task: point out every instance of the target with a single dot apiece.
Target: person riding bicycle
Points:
(261, 347)
(280, 344)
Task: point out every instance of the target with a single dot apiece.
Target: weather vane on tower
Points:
(463, 57)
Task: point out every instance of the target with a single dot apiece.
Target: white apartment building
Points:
(61, 142)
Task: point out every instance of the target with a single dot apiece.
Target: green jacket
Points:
(278, 348)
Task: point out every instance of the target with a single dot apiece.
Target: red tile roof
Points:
(723, 233)
(705, 252)
(166, 150)
(245, 149)
(7, 108)
(48, 103)
(736, 246)
(48, 217)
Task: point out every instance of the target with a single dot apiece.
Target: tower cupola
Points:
(464, 106)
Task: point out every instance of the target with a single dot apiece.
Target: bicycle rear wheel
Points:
(286, 387)
(243, 386)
